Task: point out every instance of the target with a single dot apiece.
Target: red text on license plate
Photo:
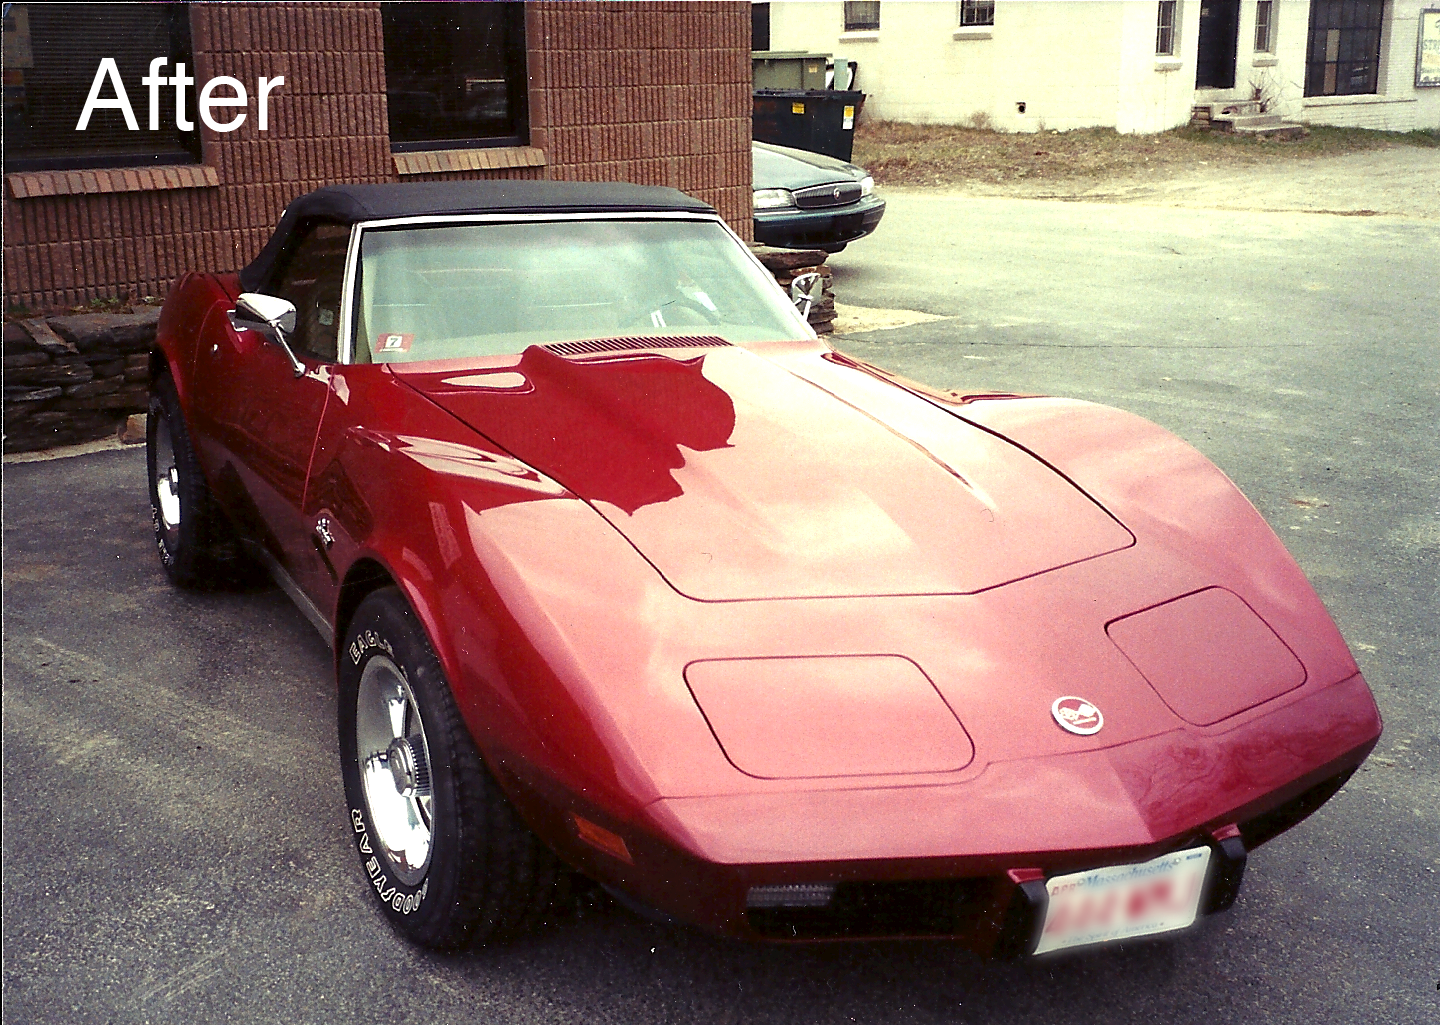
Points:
(1124, 901)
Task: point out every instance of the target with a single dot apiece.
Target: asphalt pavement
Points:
(175, 847)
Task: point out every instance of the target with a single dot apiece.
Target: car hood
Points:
(779, 167)
(740, 479)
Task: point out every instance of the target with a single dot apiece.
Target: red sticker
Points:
(393, 343)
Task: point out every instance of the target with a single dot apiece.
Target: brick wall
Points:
(654, 93)
(657, 94)
(1384, 114)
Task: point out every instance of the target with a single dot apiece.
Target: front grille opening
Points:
(1294, 811)
(818, 196)
(931, 907)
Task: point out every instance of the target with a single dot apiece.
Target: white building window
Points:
(1165, 28)
(1343, 58)
(977, 12)
(863, 16)
(1265, 26)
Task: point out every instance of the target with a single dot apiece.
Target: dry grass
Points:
(905, 154)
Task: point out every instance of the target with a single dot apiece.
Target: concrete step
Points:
(1238, 121)
(1277, 128)
(1227, 108)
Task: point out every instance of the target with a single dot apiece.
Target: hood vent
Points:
(628, 344)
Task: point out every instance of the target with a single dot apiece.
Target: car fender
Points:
(509, 662)
(1179, 505)
(190, 303)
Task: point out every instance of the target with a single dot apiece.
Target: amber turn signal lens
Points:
(601, 839)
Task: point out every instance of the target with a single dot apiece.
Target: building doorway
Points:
(1219, 27)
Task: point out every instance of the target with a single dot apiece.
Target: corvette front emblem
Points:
(1077, 715)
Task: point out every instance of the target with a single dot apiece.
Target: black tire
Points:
(197, 544)
(482, 875)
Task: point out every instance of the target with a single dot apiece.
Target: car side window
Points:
(312, 279)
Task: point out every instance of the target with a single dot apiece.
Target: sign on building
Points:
(1427, 58)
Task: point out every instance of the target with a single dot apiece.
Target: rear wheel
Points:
(196, 543)
(445, 853)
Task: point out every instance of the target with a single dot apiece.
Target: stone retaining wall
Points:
(788, 264)
(75, 378)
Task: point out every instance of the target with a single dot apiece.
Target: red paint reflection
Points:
(612, 429)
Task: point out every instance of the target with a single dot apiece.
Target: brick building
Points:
(654, 93)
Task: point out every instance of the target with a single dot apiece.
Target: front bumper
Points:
(790, 228)
(968, 861)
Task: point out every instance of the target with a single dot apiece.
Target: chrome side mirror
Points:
(269, 313)
(268, 310)
(806, 290)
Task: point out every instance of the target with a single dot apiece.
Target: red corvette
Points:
(627, 573)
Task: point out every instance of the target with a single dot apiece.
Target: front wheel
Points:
(196, 543)
(442, 849)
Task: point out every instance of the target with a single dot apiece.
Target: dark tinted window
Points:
(1344, 51)
(455, 74)
(1165, 28)
(312, 279)
(862, 15)
(52, 53)
(1264, 22)
(977, 12)
(759, 26)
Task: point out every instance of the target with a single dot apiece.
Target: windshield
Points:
(445, 291)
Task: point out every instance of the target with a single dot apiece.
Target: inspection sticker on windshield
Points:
(393, 343)
(1124, 901)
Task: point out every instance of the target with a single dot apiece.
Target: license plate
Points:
(1124, 901)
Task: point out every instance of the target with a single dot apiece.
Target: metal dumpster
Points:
(818, 120)
(787, 69)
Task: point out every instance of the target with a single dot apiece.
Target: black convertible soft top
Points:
(347, 204)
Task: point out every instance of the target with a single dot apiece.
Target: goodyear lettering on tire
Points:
(387, 892)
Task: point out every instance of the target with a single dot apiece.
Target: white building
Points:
(1133, 65)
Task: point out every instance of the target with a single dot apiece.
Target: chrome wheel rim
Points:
(167, 477)
(394, 762)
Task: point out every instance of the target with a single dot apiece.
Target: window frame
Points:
(970, 12)
(188, 145)
(350, 307)
(298, 339)
(853, 12)
(1265, 24)
(1317, 25)
(516, 88)
(1167, 19)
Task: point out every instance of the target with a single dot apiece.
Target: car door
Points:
(258, 419)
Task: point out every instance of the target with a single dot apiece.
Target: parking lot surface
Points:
(175, 846)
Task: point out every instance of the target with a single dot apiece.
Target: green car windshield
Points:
(447, 291)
